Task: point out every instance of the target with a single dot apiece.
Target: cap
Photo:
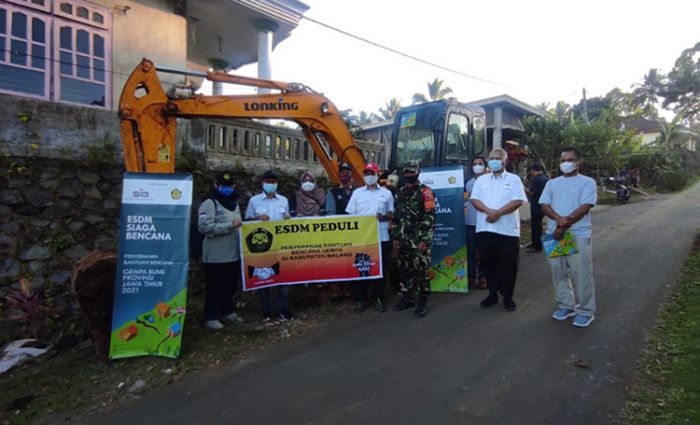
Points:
(344, 166)
(224, 178)
(536, 167)
(411, 166)
(270, 175)
(371, 166)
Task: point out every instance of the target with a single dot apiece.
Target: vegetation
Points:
(436, 91)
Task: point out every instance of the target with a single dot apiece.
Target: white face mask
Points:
(370, 180)
(568, 167)
(308, 186)
(478, 169)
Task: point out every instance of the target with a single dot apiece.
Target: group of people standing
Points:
(406, 219)
(405, 216)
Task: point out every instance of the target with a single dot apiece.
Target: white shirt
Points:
(564, 195)
(364, 201)
(275, 207)
(495, 191)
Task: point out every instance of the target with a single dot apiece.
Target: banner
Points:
(448, 271)
(151, 284)
(311, 249)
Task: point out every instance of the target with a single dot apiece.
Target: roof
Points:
(505, 101)
(378, 124)
(643, 125)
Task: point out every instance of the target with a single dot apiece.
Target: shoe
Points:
(422, 308)
(266, 317)
(489, 301)
(214, 325)
(285, 315)
(406, 302)
(563, 314)
(582, 321)
(509, 304)
(379, 305)
(532, 250)
(360, 307)
(233, 319)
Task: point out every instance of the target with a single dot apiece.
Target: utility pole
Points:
(585, 106)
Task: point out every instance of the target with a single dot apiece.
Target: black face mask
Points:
(410, 179)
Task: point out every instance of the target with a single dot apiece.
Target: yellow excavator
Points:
(148, 118)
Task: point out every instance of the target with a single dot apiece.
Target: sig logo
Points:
(140, 194)
(176, 194)
(452, 180)
(259, 240)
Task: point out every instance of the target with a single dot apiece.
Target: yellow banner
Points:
(312, 249)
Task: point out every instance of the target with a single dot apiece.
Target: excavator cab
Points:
(438, 133)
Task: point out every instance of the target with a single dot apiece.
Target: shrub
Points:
(673, 181)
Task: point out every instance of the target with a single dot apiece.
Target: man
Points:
(537, 182)
(337, 198)
(269, 205)
(373, 199)
(496, 198)
(567, 201)
(412, 235)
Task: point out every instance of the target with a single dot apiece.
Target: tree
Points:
(681, 90)
(435, 92)
(365, 117)
(390, 109)
(646, 95)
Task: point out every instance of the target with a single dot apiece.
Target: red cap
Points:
(371, 166)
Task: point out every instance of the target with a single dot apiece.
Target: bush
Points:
(673, 181)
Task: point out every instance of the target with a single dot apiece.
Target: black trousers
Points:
(361, 287)
(499, 261)
(222, 283)
(536, 227)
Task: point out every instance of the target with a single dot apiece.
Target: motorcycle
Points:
(622, 190)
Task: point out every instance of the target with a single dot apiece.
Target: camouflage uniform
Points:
(414, 220)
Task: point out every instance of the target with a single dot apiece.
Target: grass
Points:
(667, 387)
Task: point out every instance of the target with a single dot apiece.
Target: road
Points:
(461, 364)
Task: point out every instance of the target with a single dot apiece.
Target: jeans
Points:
(572, 277)
(282, 302)
(499, 259)
(222, 282)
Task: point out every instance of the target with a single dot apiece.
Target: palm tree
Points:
(646, 95)
(365, 117)
(435, 92)
(390, 109)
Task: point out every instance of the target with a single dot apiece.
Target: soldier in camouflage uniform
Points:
(412, 235)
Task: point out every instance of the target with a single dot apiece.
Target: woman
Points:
(218, 220)
(479, 169)
(309, 200)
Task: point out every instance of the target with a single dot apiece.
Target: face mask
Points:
(226, 190)
(478, 169)
(308, 186)
(270, 187)
(345, 179)
(495, 165)
(370, 180)
(410, 179)
(568, 167)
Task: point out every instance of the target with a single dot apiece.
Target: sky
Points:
(536, 50)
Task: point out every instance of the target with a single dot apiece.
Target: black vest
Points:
(342, 197)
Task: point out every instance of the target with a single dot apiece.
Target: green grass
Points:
(667, 387)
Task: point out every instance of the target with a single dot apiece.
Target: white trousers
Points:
(572, 277)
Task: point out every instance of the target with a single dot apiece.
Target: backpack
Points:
(196, 237)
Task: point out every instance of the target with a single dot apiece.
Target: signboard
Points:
(151, 284)
(448, 271)
(311, 249)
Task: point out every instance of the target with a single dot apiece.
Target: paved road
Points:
(461, 364)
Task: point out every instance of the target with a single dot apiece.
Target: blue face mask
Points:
(226, 190)
(495, 165)
(270, 187)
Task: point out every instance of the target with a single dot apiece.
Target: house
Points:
(649, 131)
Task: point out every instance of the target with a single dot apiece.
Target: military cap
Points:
(411, 166)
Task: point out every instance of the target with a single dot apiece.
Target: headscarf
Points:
(309, 203)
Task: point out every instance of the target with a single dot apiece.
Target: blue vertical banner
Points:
(448, 266)
(150, 293)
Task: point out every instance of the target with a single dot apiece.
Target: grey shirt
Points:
(564, 195)
(220, 243)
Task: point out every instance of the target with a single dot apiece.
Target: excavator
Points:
(148, 118)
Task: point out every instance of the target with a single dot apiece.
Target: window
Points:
(57, 50)
(211, 138)
(223, 133)
(234, 140)
(287, 148)
(457, 137)
(246, 142)
(479, 136)
(268, 147)
(306, 150)
(258, 145)
(279, 147)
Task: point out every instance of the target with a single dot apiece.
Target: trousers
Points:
(413, 268)
(222, 283)
(572, 277)
(499, 260)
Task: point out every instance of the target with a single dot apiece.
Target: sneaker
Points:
(233, 319)
(379, 305)
(582, 321)
(563, 314)
(214, 325)
(489, 301)
(360, 307)
(266, 317)
(509, 304)
(285, 315)
(422, 308)
(406, 302)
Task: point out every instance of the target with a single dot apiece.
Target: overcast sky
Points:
(540, 51)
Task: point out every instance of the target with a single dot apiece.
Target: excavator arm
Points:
(148, 119)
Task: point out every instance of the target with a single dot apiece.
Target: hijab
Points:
(309, 203)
